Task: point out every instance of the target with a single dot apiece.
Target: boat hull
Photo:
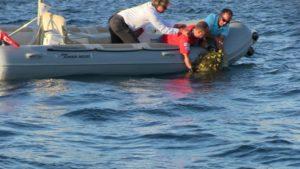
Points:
(45, 62)
(36, 61)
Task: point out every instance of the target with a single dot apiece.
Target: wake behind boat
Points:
(53, 49)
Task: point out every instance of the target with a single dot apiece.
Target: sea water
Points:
(244, 117)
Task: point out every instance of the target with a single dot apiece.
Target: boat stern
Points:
(255, 37)
(11, 59)
(3, 63)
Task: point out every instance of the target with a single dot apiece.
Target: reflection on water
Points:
(8, 87)
(9, 106)
(50, 87)
(179, 88)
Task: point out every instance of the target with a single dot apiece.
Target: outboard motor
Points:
(255, 36)
(251, 50)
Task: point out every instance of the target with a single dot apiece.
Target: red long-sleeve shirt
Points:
(180, 40)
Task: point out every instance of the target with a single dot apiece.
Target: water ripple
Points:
(244, 117)
(178, 137)
(197, 107)
(26, 126)
(6, 133)
(95, 114)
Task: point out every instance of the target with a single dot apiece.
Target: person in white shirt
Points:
(127, 25)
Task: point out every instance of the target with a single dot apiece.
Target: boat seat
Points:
(88, 35)
(54, 29)
(120, 47)
(84, 38)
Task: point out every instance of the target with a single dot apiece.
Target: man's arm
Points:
(220, 39)
(187, 61)
(203, 43)
(220, 46)
(159, 25)
(220, 42)
(184, 48)
(209, 20)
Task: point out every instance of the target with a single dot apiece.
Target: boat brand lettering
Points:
(75, 56)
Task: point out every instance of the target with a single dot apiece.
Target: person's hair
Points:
(227, 10)
(157, 3)
(202, 25)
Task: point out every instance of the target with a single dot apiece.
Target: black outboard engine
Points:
(255, 36)
(251, 50)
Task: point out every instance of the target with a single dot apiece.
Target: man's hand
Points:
(184, 31)
(219, 42)
(139, 32)
(211, 48)
(180, 26)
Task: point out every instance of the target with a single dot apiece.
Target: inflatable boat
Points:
(53, 49)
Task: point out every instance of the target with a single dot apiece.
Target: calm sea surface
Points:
(246, 117)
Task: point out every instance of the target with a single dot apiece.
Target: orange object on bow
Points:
(6, 38)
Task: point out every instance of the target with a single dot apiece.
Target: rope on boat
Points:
(22, 27)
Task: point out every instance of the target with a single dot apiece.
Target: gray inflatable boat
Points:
(59, 50)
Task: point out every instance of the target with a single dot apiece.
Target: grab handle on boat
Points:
(169, 53)
(33, 56)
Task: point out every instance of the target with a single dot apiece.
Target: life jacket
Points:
(7, 39)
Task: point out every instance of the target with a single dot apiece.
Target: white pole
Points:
(40, 2)
(22, 27)
(39, 20)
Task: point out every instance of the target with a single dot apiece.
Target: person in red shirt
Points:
(196, 35)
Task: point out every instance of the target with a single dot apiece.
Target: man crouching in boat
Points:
(219, 27)
(6, 39)
(127, 25)
(196, 36)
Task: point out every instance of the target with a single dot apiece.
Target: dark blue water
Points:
(246, 117)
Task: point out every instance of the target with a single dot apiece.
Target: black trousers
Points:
(120, 32)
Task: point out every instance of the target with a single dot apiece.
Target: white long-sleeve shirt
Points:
(139, 16)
